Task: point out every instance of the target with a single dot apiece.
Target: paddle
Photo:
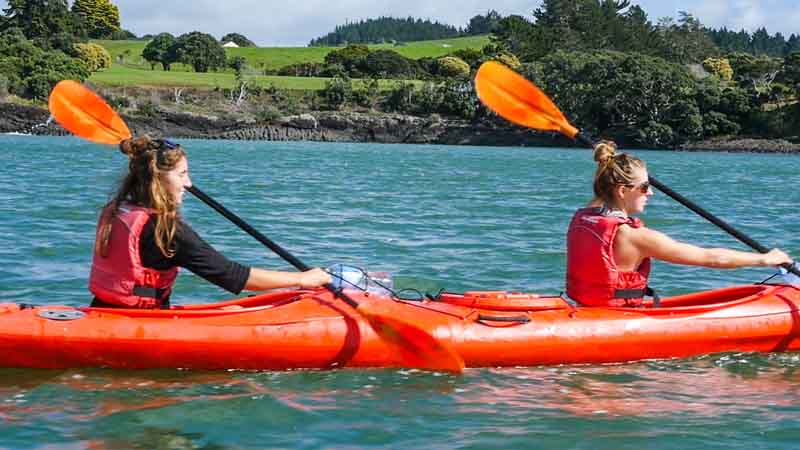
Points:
(85, 114)
(518, 100)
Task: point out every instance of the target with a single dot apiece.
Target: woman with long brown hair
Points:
(609, 251)
(142, 240)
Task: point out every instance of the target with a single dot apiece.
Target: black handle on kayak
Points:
(283, 253)
(702, 212)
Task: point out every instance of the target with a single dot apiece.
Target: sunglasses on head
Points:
(166, 144)
(644, 188)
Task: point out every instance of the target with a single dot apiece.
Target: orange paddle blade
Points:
(83, 113)
(417, 347)
(514, 98)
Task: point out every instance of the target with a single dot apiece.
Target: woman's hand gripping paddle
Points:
(85, 114)
(518, 100)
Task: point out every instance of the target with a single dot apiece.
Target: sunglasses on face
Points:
(644, 188)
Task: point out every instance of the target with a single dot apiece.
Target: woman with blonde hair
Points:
(142, 240)
(609, 251)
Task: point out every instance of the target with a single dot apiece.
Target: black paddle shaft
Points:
(280, 251)
(702, 212)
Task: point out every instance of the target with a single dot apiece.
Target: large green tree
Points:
(350, 58)
(237, 39)
(633, 97)
(755, 73)
(31, 71)
(791, 76)
(46, 22)
(200, 50)
(559, 24)
(583, 25)
(100, 17)
(481, 24)
(685, 41)
(520, 37)
(791, 70)
(389, 64)
(160, 50)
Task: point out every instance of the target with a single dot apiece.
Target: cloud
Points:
(712, 11)
(273, 23)
(748, 15)
(774, 15)
(291, 23)
(296, 22)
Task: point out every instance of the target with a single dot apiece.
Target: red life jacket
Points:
(592, 275)
(120, 278)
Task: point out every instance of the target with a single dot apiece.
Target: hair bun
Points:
(135, 146)
(604, 151)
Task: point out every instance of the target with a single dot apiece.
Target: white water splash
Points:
(43, 124)
(31, 131)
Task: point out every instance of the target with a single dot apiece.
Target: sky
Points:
(281, 23)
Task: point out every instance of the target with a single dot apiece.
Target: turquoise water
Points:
(460, 218)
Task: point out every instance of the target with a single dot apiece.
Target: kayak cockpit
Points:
(698, 302)
(692, 303)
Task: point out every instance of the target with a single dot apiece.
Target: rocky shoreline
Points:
(744, 145)
(324, 126)
(327, 126)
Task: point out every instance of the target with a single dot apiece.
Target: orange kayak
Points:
(295, 329)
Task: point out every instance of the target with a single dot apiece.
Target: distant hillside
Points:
(386, 29)
(129, 53)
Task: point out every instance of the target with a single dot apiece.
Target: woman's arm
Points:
(261, 279)
(660, 246)
(199, 257)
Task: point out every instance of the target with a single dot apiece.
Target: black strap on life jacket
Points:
(141, 291)
(628, 294)
(156, 293)
(146, 291)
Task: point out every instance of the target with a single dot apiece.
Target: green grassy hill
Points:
(129, 68)
(124, 75)
(274, 58)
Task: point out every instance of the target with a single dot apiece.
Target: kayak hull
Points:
(312, 330)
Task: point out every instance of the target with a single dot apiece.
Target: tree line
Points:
(397, 30)
(760, 42)
(386, 29)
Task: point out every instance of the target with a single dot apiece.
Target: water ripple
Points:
(437, 217)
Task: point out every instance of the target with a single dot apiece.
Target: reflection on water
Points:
(180, 409)
(710, 386)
